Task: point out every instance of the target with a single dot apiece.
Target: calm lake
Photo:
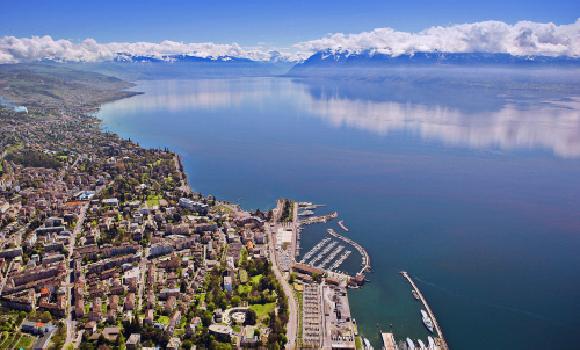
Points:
(468, 180)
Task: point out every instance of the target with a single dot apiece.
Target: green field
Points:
(262, 310)
(244, 289)
(256, 279)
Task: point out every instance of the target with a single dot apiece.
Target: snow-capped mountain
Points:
(330, 59)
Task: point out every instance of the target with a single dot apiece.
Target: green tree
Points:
(46, 317)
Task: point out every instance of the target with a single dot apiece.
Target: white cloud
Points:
(14, 49)
(522, 38)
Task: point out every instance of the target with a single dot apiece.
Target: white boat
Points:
(306, 213)
(427, 320)
(367, 344)
(431, 343)
(422, 345)
(410, 344)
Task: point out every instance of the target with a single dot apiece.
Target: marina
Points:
(340, 260)
(321, 255)
(330, 257)
(315, 249)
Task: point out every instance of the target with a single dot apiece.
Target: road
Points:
(70, 324)
(292, 330)
(3, 283)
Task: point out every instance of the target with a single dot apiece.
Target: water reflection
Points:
(554, 125)
(497, 110)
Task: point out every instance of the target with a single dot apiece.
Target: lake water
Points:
(469, 181)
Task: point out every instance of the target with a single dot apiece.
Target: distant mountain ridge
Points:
(339, 59)
(128, 58)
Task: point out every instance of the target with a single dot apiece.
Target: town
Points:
(103, 244)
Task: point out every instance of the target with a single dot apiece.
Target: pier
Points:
(340, 260)
(342, 225)
(320, 255)
(330, 257)
(317, 219)
(439, 333)
(366, 260)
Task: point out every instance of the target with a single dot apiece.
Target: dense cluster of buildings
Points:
(101, 233)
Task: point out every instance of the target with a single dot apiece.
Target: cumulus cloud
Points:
(521, 38)
(13, 50)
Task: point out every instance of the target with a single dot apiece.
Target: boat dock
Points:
(330, 257)
(325, 251)
(342, 225)
(366, 260)
(340, 260)
(439, 333)
(315, 249)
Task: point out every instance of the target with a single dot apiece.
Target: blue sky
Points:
(274, 23)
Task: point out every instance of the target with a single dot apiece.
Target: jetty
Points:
(440, 341)
(366, 260)
(342, 225)
(320, 218)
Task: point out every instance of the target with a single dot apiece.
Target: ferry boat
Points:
(427, 320)
(410, 344)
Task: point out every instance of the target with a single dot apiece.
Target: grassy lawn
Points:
(153, 200)
(25, 342)
(243, 276)
(262, 310)
(163, 320)
(358, 343)
(244, 289)
(256, 279)
(298, 295)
